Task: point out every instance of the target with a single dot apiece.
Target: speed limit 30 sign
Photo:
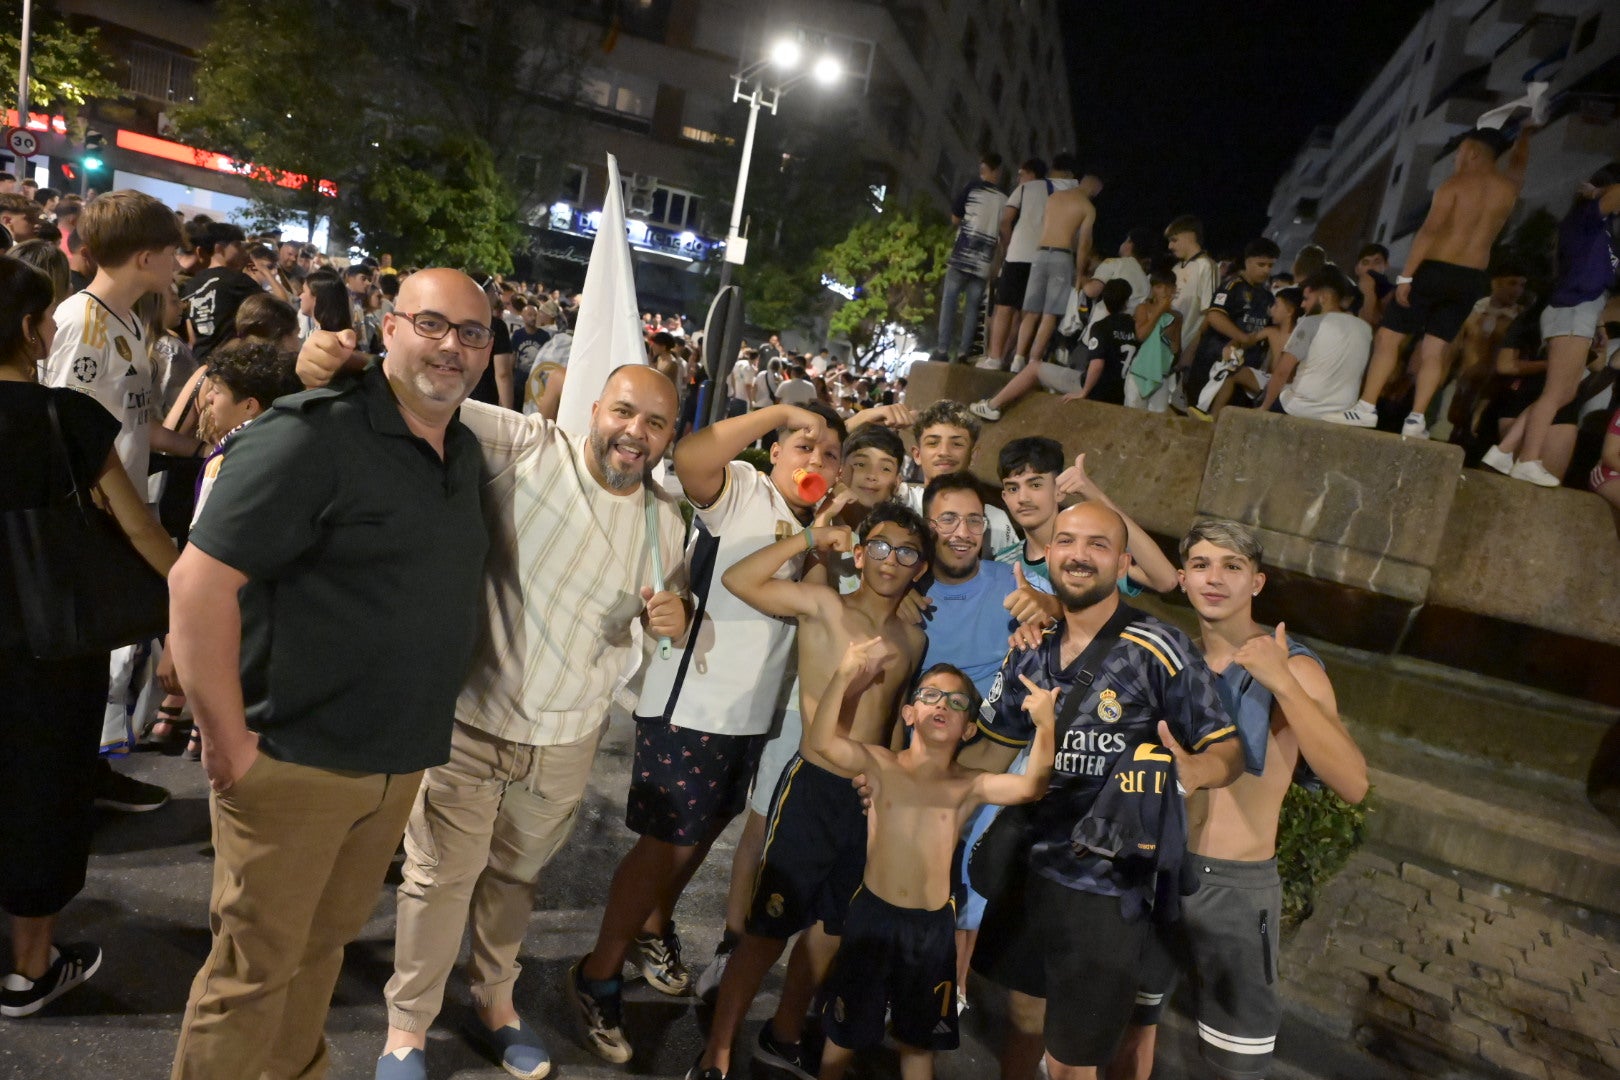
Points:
(22, 142)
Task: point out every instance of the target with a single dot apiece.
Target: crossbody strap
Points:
(59, 448)
(1090, 661)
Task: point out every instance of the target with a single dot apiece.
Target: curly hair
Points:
(949, 413)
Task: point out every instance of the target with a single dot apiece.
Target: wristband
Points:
(809, 543)
(1403, 280)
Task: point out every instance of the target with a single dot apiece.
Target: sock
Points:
(600, 988)
(1365, 407)
(1020, 359)
(1416, 416)
(728, 941)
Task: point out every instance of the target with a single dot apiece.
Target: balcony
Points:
(1544, 38)
(1495, 23)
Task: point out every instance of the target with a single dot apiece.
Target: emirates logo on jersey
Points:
(85, 369)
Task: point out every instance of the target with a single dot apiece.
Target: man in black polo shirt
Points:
(323, 620)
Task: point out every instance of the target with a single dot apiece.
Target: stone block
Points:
(1420, 1003)
(1341, 504)
(1530, 999)
(1439, 885)
(1492, 1012)
(1404, 893)
(1411, 976)
(1513, 1060)
(1510, 547)
(1451, 1036)
(1151, 464)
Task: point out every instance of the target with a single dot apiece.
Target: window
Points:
(704, 135)
(1395, 177)
(161, 74)
(573, 185)
(618, 92)
(658, 204)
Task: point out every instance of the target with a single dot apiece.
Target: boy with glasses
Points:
(815, 851)
(899, 955)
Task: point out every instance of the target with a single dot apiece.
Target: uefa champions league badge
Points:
(1108, 708)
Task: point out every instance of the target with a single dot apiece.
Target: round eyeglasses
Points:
(881, 549)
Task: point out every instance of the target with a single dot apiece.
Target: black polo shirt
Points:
(365, 554)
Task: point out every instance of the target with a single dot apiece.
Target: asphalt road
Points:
(146, 904)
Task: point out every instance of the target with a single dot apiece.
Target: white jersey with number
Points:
(99, 354)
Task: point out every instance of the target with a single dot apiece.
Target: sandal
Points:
(193, 751)
(168, 726)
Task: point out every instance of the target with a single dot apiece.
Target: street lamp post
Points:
(749, 85)
(22, 64)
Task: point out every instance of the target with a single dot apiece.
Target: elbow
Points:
(1163, 581)
(1354, 787)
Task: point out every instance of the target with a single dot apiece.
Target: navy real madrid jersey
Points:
(1151, 673)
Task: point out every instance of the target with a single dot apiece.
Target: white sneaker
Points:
(1019, 364)
(985, 411)
(1360, 416)
(1536, 473)
(989, 363)
(1498, 459)
(1413, 427)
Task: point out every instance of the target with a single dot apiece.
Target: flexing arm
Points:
(129, 509)
(1008, 789)
(205, 633)
(861, 663)
(701, 458)
(1305, 696)
(752, 579)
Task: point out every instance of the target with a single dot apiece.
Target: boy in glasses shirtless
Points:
(899, 949)
(815, 848)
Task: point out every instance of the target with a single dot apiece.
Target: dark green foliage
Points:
(1316, 835)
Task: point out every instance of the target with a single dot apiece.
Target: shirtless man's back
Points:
(1445, 272)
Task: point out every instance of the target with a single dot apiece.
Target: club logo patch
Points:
(774, 906)
(85, 369)
(123, 349)
(1108, 708)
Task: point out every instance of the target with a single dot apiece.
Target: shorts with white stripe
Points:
(1231, 930)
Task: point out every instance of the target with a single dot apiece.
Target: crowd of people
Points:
(1454, 345)
(404, 601)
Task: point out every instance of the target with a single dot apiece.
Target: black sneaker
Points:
(698, 1072)
(115, 791)
(789, 1057)
(70, 966)
(599, 1018)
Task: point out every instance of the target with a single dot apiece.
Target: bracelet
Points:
(1403, 280)
(809, 543)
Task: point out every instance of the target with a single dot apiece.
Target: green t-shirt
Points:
(365, 557)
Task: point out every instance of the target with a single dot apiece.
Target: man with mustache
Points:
(569, 577)
(1078, 933)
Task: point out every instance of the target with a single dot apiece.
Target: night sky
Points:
(1195, 107)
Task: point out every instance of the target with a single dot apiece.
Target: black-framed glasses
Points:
(948, 522)
(433, 326)
(882, 549)
(933, 695)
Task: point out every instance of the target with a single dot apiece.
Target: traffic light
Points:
(94, 146)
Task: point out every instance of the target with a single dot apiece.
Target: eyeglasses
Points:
(933, 695)
(975, 523)
(881, 549)
(433, 326)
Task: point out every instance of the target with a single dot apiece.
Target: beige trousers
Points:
(299, 858)
(483, 827)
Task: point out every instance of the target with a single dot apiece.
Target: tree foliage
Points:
(364, 95)
(895, 260)
(1317, 832)
(66, 67)
(440, 203)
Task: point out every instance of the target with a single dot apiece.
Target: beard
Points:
(619, 479)
(1079, 599)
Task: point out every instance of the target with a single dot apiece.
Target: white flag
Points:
(608, 330)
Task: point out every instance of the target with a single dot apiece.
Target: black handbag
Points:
(82, 588)
(999, 861)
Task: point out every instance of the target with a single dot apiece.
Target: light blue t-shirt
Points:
(968, 627)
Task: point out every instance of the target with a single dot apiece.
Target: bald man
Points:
(571, 577)
(1074, 931)
(323, 617)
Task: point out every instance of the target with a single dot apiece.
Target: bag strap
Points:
(1090, 660)
(59, 447)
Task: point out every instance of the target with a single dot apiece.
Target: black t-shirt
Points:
(486, 390)
(1249, 306)
(31, 478)
(212, 301)
(1113, 341)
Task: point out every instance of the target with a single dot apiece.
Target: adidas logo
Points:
(942, 1028)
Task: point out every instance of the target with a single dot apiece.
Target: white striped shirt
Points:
(567, 562)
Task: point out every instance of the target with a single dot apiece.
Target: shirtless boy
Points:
(899, 951)
(815, 850)
(1445, 272)
(1287, 718)
(1059, 268)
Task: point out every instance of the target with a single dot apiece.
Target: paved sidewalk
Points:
(1437, 973)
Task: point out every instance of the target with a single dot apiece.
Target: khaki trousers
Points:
(299, 856)
(483, 827)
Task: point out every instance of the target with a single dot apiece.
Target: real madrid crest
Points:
(1108, 707)
(123, 349)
